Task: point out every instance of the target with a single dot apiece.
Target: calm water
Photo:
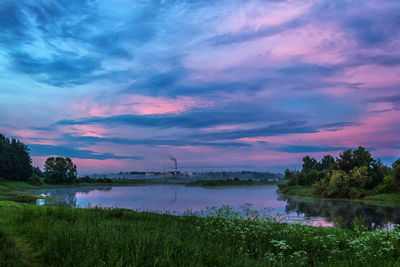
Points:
(178, 199)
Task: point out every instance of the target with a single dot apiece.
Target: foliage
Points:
(351, 175)
(387, 186)
(87, 179)
(36, 171)
(35, 180)
(15, 162)
(60, 170)
(25, 198)
(61, 236)
(396, 170)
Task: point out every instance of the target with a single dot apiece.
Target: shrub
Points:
(320, 186)
(388, 185)
(35, 180)
(337, 184)
(24, 199)
(359, 177)
(355, 192)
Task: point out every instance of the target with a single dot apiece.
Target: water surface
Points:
(177, 199)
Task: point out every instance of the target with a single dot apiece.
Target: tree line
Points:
(350, 175)
(16, 165)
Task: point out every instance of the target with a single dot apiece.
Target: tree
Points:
(36, 171)
(60, 170)
(15, 162)
(345, 161)
(359, 177)
(362, 157)
(396, 170)
(328, 163)
(378, 172)
(349, 160)
(338, 184)
(311, 177)
(309, 164)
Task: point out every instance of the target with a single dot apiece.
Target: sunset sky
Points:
(220, 85)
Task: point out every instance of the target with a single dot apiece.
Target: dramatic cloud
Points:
(221, 85)
(46, 150)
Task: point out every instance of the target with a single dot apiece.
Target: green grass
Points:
(60, 236)
(390, 197)
(8, 203)
(299, 190)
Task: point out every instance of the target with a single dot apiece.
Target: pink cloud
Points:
(136, 104)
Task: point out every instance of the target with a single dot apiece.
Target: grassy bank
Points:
(60, 236)
(308, 191)
(298, 190)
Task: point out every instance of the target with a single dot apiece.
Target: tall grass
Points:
(62, 236)
(9, 253)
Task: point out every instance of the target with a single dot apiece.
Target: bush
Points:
(320, 186)
(35, 180)
(29, 199)
(311, 177)
(388, 185)
(359, 177)
(355, 193)
(85, 179)
(337, 184)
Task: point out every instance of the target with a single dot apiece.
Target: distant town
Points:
(242, 175)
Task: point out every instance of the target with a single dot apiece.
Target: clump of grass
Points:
(298, 190)
(25, 198)
(391, 197)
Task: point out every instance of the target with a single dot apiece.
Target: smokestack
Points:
(176, 164)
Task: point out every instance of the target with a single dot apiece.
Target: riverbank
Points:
(33, 235)
(308, 191)
(49, 236)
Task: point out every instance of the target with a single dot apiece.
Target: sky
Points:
(219, 85)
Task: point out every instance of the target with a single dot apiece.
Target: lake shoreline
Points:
(121, 236)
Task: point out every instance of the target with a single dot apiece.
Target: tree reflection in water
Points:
(344, 213)
(66, 196)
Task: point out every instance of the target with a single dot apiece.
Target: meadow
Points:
(62, 236)
(33, 235)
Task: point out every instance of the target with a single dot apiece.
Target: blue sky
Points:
(124, 85)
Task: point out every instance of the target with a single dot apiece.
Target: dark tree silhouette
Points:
(60, 170)
(15, 162)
